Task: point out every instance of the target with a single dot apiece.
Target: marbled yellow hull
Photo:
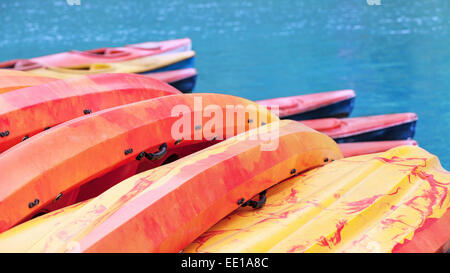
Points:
(370, 203)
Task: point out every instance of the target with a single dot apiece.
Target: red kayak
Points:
(182, 79)
(371, 128)
(82, 157)
(370, 147)
(318, 105)
(101, 55)
(26, 112)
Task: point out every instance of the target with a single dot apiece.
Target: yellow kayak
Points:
(145, 65)
(395, 201)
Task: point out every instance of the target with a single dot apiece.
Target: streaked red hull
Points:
(28, 111)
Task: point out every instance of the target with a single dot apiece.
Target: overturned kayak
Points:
(12, 80)
(145, 66)
(370, 147)
(100, 55)
(395, 201)
(182, 79)
(164, 209)
(312, 106)
(372, 128)
(26, 112)
(81, 158)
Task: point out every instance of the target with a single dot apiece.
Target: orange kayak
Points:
(100, 55)
(164, 209)
(26, 112)
(81, 158)
(12, 80)
(312, 106)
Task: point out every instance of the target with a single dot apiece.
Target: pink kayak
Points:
(318, 105)
(100, 55)
(372, 128)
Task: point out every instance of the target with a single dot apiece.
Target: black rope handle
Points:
(257, 204)
(154, 156)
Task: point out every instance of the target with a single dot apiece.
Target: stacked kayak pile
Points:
(125, 162)
(170, 61)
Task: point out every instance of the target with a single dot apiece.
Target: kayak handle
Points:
(4, 134)
(154, 156)
(257, 204)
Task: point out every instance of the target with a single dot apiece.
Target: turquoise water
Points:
(395, 56)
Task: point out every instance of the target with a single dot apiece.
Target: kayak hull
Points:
(311, 106)
(387, 202)
(26, 112)
(371, 128)
(339, 109)
(395, 132)
(185, 85)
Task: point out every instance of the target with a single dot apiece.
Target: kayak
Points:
(12, 80)
(396, 201)
(372, 128)
(101, 55)
(26, 112)
(145, 66)
(370, 147)
(182, 79)
(336, 104)
(82, 157)
(164, 209)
